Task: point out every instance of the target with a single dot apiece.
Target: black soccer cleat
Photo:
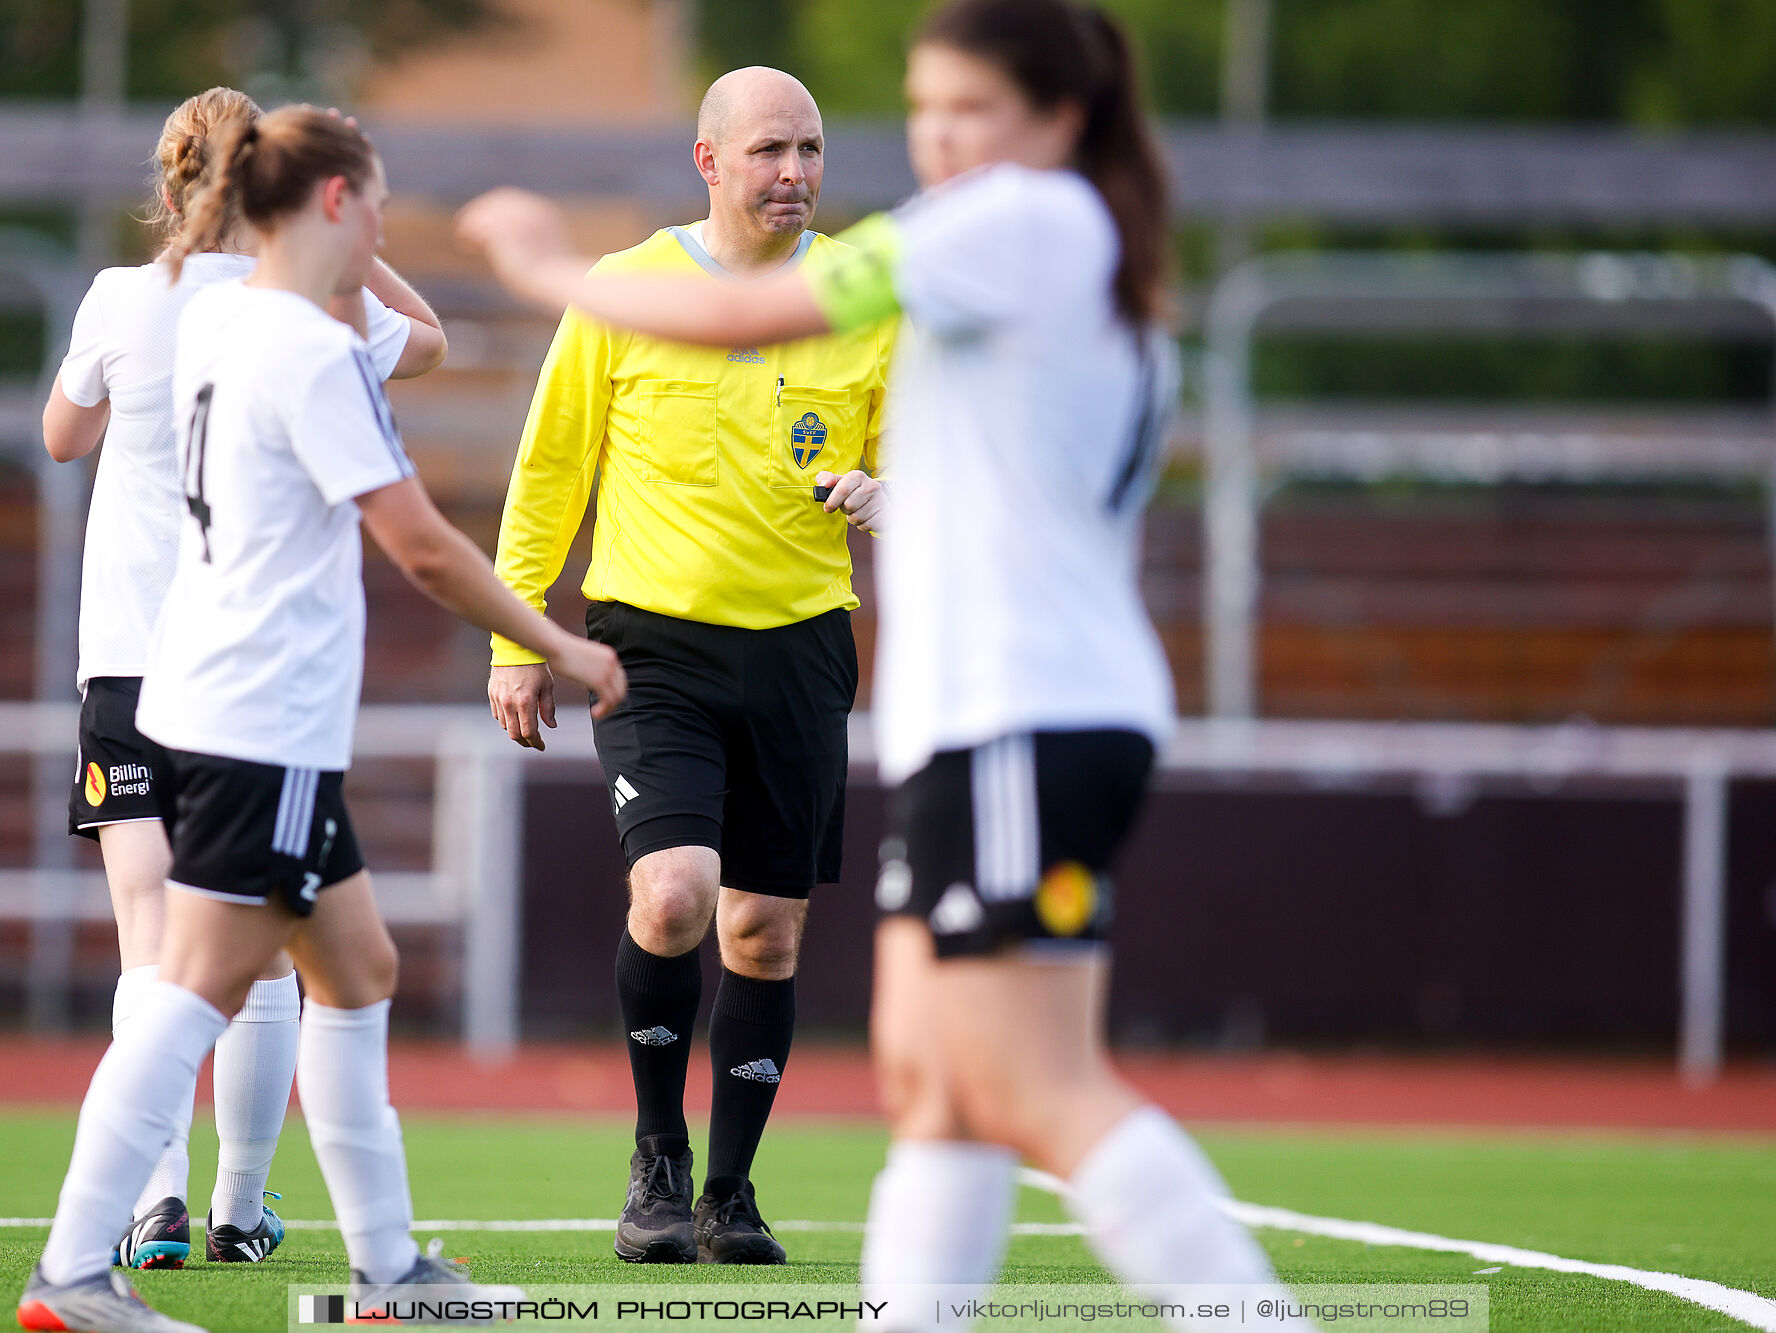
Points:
(655, 1227)
(230, 1245)
(159, 1238)
(730, 1231)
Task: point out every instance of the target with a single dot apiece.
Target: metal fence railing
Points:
(1601, 294)
(475, 877)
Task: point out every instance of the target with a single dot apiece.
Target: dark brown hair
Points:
(265, 169)
(184, 151)
(1058, 51)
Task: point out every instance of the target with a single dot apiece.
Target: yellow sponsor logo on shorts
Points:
(95, 785)
(1067, 899)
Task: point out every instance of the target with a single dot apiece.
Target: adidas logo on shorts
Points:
(759, 1071)
(622, 792)
(655, 1036)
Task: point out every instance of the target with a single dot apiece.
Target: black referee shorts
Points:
(1010, 844)
(732, 739)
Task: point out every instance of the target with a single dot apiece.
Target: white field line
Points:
(1747, 1306)
(1758, 1311)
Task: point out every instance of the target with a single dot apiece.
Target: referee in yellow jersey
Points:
(725, 586)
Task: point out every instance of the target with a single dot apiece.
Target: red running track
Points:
(835, 1080)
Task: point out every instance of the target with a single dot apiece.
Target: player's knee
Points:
(761, 942)
(915, 1098)
(994, 1107)
(221, 979)
(367, 976)
(910, 1081)
(668, 908)
(900, 1078)
(382, 969)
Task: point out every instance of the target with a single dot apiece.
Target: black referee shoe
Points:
(655, 1227)
(730, 1230)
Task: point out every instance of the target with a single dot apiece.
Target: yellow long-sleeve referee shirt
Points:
(705, 460)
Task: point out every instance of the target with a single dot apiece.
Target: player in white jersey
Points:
(251, 687)
(116, 382)
(1020, 686)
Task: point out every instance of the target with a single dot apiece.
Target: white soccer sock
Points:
(1146, 1196)
(342, 1079)
(138, 1095)
(172, 1173)
(131, 986)
(939, 1213)
(255, 1064)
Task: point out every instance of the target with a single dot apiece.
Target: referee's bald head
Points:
(744, 93)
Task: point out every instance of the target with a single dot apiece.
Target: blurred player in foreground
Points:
(252, 682)
(117, 383)
(727, 589)
(1020, 686)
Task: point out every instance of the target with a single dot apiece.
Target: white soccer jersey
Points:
(259, 652)
(1022, 429)
(122, 349)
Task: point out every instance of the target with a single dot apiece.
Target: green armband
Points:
(854, 286)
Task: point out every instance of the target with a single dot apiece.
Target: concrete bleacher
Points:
(1510, 605)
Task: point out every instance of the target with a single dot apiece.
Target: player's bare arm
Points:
(525, 239)
(445, 565)
(71, 431)
(426, 345)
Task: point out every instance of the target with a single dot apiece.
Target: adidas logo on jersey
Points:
(957, 912)
(655, 1036)
(759, 1071)
(623, 792)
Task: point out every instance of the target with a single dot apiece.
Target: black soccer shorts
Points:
(732, 739)
(1010, 844)
(121, 775)
(252, 833)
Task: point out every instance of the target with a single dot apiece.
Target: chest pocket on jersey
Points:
(815, 431)
(678, 432)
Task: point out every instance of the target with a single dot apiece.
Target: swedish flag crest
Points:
(807, 437)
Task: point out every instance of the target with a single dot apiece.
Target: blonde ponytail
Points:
(215, 209)
(186, 148)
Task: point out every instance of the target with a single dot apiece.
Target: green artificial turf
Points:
(1700, 1207)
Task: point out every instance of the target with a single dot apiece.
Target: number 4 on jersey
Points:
(194, 465)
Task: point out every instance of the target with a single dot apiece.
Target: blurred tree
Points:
(1715, 62)
(1650, 62)
(275, 49)
(852, 56)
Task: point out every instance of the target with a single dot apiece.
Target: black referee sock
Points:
(749, 1035)
(659, 997)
